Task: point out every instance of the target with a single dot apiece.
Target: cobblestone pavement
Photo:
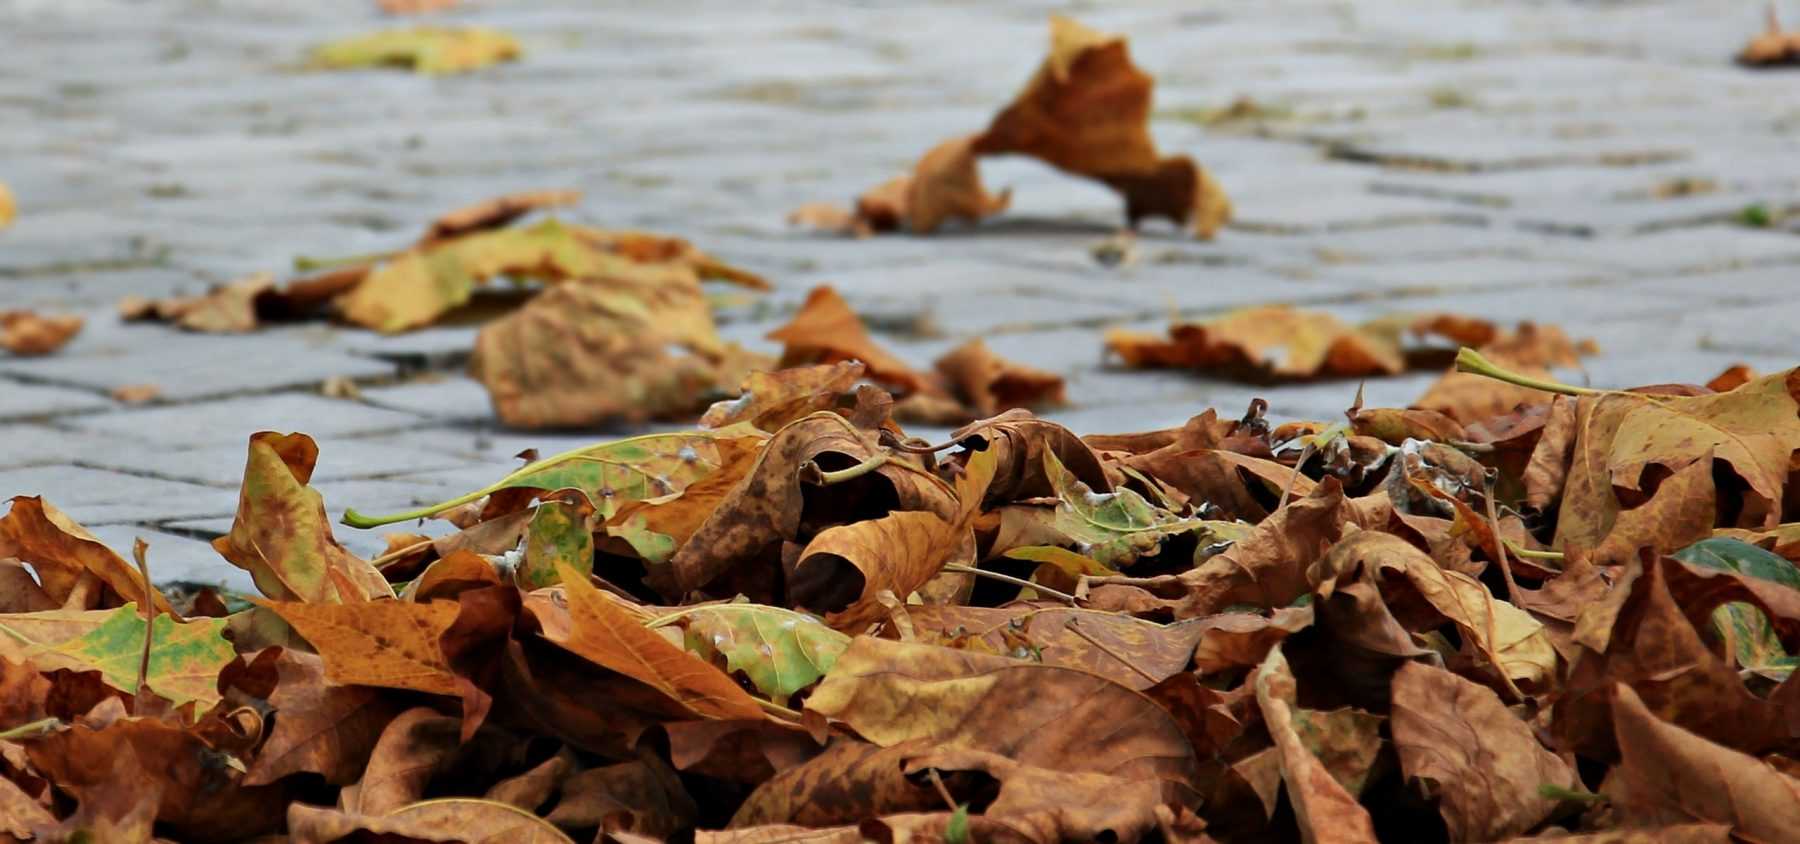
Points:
(1514, 160)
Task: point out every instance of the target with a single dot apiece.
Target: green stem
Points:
(1530, 554)
(307, 263)
(1469, 360)
(1016, 581)
(876, 461)
(359, 520)
(31, 730)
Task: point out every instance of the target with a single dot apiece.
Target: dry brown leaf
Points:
(827, 331)
(454, 819)
(1277, 341)
(323, 728)
(386, 643)
(491, 213)
(1668, 775)
(608, 636)
(27, 333)
(770, 400)
(944, 185)
(1485, 763)
(1327, 813)
(1086, 111)
(64, 554)
(1773, 47)
(989, 384)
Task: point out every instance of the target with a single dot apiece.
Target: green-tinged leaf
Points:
(561, 534)
(654, 547)
(781, 651)
(1739, 557)
(610, 473)
(1753, 642)
(957, 830)
(1113, 528)
(430, 50)
(281, 535)
(185, 656)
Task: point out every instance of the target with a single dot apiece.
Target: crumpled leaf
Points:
(990, 385)
(1326, 811)
(770, 400)
(561, 535)
(323, 728)
(827, 331)
(1621, 437)
(1276, 341)
(944, 185)
(1086, 111)
(1132, 652)
(1485, 764)
(608, 636)
(1114, 528)
(27, 333)
(1669, 775)
(584, 353)
(429, 50)
(780, 651)
(63, 554)
(281, 535)
(230, 308)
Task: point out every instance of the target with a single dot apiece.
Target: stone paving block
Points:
(222, 463)
(20, 400)
(109, 354)
(33, 444)
(237, 418)
(96, 496)
(453, 396)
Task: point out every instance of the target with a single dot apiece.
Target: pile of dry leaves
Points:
(796, 623)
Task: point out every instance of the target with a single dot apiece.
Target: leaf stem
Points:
(1471, 361)
(1530, 554)
(140, 551)
(31, 730)
(307, 263)
(1016, 581)
(824, 478)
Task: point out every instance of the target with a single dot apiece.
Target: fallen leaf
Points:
(770, 400)
(64, 554)
(826, 331)
(321, 727)
(1326, 812)
(561, 536)
(609, 637)
(231, 308)
(1275, 341)
(136, 393)
(386, 643)
(1670, 775)
(1773, 47)
(944, 185)
(453, 819)
(27, 333)
(1485, 764)
(1086, 111)
(496, 212)
(778, 650)
(185, 657)
(9, 210)
(281, 535)
(990, 385)
(424, 50)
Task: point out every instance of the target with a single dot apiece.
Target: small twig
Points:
(140, 551)
(31, 730)
(943, 790)
(1016, 581)
(1074, 628)
(1287, 491)
(1512, 588)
